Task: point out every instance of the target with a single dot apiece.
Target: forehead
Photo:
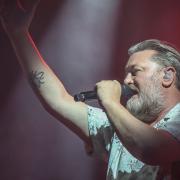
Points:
(141, 58)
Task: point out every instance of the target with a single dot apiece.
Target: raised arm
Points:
(16, 18)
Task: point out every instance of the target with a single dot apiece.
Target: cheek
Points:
(142, 82)
(139, 81)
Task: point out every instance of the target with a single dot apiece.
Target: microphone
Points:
(90, 95)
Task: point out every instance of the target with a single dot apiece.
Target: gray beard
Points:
(149, 103)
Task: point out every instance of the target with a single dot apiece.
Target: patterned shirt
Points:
(121, 163)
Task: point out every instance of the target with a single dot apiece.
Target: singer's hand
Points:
(16, 15)
(108, 91)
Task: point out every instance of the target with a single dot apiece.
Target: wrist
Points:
(109, 102)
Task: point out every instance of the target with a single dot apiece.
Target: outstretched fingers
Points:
(17, 15)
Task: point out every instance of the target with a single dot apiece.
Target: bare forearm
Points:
(128, 128)
(41, 78)
(16, 20)
(143, 141)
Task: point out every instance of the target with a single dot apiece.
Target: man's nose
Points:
(128, 79)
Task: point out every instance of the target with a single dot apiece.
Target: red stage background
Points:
(84, 41)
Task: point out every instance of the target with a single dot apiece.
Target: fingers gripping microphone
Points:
(90, 95)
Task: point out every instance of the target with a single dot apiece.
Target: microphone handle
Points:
(85, 96)
(90, 95)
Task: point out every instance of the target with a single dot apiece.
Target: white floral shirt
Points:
(122, 164)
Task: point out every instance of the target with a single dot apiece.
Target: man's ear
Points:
(168, 76)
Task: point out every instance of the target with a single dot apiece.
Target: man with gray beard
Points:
(150, 101)
(140, 141)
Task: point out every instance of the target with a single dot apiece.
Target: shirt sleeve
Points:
(101, 132)
(171, 122)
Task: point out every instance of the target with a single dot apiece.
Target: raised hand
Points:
(16, 15)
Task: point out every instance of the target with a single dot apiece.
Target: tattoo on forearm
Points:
(36, 78)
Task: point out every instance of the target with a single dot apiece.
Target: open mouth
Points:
(135, 92)
(130, 91)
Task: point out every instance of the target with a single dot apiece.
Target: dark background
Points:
(84, 41)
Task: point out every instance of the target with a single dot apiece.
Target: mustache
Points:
(134, 88)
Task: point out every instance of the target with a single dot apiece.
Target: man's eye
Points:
(134, 72)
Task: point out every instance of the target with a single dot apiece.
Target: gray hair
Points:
(167, 55)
